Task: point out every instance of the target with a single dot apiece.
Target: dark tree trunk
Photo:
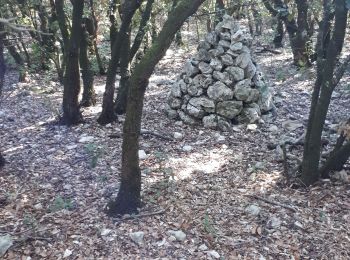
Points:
(279, 32)
(71, 112)
(18, 59)
(257, 18)
(121, 100)
(101, 67)
(129, 197)
(108, 114)
(2, 59)
(89, 96)
(113, 29)
(219, 11)
(296, 29)
(324, 86)
(142, 30)
(2, 75)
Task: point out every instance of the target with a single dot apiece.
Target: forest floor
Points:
(226, 192)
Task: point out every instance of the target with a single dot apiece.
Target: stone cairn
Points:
(221, 84)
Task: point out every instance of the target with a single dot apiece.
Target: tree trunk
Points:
(321, 98)
(279, 32)
(2, 59)
(108, 114)
(89, 96)
(142, 29)
(121, 100)
(2, 75)
(129, 197)
(18, 59)
(297, 30)
(71, 112)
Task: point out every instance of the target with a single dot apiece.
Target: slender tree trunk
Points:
(297, 30)
(142, 29)
(2, 75)
(121, 100)
(108, 114)
(2, 59)
(71, 112)
(129, 197)
(89, 96)
(279, 32)
(321, 98)
(18, 59)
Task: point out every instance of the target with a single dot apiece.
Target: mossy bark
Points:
(89, 95)
(129, 195)
(321, 97)
(108, 114)
(71, 112)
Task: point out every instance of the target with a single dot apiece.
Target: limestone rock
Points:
(204, 103)
(236, 72)
(189, 69)
(210, 121)
(205, 68)
(219, 92)
(229, 109)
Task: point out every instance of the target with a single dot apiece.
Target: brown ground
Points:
(52, 197)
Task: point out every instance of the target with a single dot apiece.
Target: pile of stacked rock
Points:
(222, 83)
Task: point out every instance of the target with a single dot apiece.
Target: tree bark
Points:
(121, 100)
(108, 114)
(279, 32)
(2, 75)
(89, 96)
(321, 98)
(129, 197)
(71, 112)
(142, 29)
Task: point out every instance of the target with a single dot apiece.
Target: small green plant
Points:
(280, 75)
(95, 153)
(60, 203)
(209, 225)
(29, 220)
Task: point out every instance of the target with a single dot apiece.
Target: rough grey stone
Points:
(194, 90)
(219, 50)
(216, 64)
(236, 46)
(250, 114)
(203, 80)
(186, 118)
(242, 90)
(250, 70)
(223, 124)
(189, 69)
(226, 36)
(174, 102)
(229, 109)
(210, 121)
(223, 77)
(243, 60)
(195, 111)
(211, 38)
(204, 103)
(219, 92)
(224, 44)
(203, 55)
(227, 60)
(176, 90)
(205, 67)
(236, 72)
(204, 45)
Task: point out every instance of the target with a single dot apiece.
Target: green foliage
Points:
(208, 225)
(95, 153)
(29, 220)
(60, 203)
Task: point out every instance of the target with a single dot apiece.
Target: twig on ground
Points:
(266, 49)
(141, 215)
(272, 202)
